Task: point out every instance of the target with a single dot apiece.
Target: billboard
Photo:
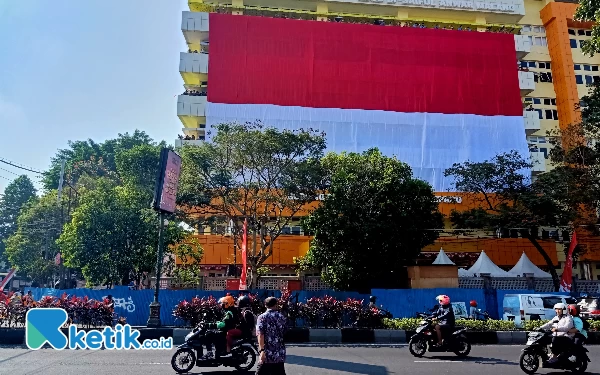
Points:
(165, 193)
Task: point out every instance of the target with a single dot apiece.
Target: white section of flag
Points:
(428, 142)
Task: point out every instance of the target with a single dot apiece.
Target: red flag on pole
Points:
(243, 284)
(566, 281)
(6, 279)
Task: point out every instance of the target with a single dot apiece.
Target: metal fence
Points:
(540, 285)
(310, 283)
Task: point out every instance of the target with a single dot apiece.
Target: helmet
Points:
(243, 302)
(560, 306)
(372, 299)
(443, 299)
(473, 303)
(574, 310)
(227, 301)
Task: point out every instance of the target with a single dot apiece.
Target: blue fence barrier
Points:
(134, 304)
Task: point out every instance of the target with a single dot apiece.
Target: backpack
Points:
(248, 322)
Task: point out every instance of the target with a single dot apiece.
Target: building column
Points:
(238, 4)
(481, 21)
(322, 11)
(555, 17)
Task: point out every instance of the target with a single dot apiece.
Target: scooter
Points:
(243, 353)
(537, 349)
(425, 339)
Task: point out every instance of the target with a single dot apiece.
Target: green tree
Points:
(112, 236)
(374, 221)
(103, 157)
(589, 10)
(188, 273)
(16, 195)
(32, 248)
(505, 198)
(247, 171)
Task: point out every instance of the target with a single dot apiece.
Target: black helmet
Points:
(372, 299)
(243, 301)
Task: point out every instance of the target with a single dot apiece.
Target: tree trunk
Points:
(543, 253)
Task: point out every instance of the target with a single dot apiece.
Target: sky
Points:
(73, 70)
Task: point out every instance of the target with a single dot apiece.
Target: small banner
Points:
(243, 276)
(57, 259)
(165, 193)
(566, 282)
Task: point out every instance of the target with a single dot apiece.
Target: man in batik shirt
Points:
(270, 328)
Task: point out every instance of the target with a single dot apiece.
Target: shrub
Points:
(410, 324)
(404, 324)
(594, 325)
(199, 309)
(533, 325)
(80, 310)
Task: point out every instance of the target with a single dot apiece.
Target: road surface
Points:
(302, 360)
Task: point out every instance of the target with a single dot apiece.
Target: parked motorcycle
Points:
(243, 353)
(425, 339)
(537, 349)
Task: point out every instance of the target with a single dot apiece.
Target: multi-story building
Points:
(550, 71)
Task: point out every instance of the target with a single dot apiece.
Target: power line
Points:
(11, 172)
(18, 166)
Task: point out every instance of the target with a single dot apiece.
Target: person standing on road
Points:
(270, 328)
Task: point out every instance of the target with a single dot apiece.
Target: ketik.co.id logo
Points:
(43, 325)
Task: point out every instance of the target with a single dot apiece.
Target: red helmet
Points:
(473, 303)
(573, 310)
(443, 300)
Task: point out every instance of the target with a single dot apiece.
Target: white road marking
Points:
(438, 361)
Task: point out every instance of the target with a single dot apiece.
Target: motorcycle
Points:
(537, 348)
(425, 339)
(243, 353)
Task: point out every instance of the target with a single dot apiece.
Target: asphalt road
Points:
(302, 360)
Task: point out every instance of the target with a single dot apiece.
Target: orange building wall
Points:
(556, 18)
(219, 249)
(502, 251)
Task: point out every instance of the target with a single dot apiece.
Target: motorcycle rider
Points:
(561, 324)
(218, 337)
(579, 329)
(245, 324)
(444, 317)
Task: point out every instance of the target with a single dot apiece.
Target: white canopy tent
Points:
(464, 273)
(485, 265)
(524, 265)
(442, 259)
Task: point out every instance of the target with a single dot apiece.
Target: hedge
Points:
(410, 324)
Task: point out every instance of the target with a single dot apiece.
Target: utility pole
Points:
(61, 280)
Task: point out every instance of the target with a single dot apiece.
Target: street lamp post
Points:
(154, 319)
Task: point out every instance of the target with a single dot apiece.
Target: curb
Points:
(321, 336)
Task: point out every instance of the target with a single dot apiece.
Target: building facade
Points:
(551, 73)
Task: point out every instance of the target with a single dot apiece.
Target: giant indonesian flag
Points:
(430, 97)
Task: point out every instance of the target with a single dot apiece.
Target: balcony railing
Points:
(522, 46)
(191, 105)
(193, 63)
(532, 121)
(190, 142)
(526, 82)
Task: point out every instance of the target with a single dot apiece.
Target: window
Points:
(546, 101)
(537, 101)
(528, 100)
(571, 32)
(596, 79)
(555, 114)
(579, 79)
(541, 41)
(594, 68)
(548, 114)
(553, 101)
(577, 67)
(526, 28)
(580, 32)
(545, 77)
(537, 29)
(549, 302)
(588, 80)
(540, 114)
(573, 43)
(588, 33)
(544, 65)
(523, 64)
(531, 64)
(587, 67)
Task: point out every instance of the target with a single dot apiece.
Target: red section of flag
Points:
(243, 277)
(262, 60)
(566, 281)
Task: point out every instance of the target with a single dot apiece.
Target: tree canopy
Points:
(374, 220)
(16, 195)
(250, 172)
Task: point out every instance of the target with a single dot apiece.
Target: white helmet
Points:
(560, 306)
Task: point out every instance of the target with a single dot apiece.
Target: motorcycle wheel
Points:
(529, 362)
(184, 364)
(464, 345)
(581, 366)
(417, 346)
(247, 356)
